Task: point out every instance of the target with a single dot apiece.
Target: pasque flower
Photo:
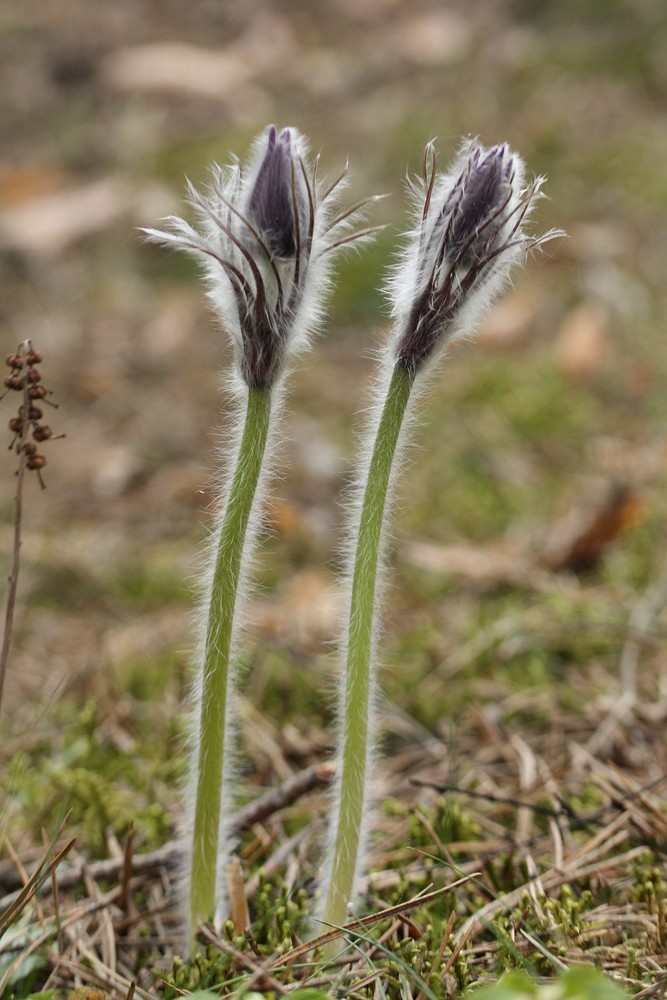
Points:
(265, 236)
(469, 231)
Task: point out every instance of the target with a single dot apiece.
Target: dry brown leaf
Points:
(511, 322)
(577, 541)
(492, 563)
(19, 184)
(199, 71)
(432, 38)
(46, 225)
(308, 609)
(582, 343)
(175, 67)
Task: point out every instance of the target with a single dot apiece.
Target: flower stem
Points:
(232, 544)
(357, 704)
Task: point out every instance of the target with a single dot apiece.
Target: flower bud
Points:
(266, 237)
(276, 207)
(470, 232)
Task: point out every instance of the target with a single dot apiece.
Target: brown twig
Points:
(260, 975)
(171, 855)
(566, 810)
(13, 579)
(26, 378)
(126, 875)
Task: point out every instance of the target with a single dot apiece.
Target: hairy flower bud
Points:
(470, 232)
(278, 202)
(266, 236)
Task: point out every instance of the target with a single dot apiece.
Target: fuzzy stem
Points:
(357, 707)
(215, 683)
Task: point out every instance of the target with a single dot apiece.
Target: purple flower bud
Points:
(266, 237)
(469, 234)
(276, 205)
(486, 188)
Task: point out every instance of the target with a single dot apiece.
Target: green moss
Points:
(66, 587)
(103, 785)
(147, 678)
(357, 300)
(191, 157)
(149, 583)
(282, 688)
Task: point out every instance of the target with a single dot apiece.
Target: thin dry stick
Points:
(260, 975)
(99, 974)
(16, 557)
(34, 945)
(124, 900)
(171, 854)
(25, 378)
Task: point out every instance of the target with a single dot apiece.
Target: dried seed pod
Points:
(34, 413)
(36, 463)
(26, 378)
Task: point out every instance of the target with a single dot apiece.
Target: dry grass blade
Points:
(98, 975)
(39, 877)
(72, 918)
(556, 962)
(550, 881)
(260, 975)
(364, 922)
(460, 945)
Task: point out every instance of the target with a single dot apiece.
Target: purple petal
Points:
(271, 205)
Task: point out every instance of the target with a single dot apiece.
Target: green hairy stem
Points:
(215, 679)
(357, 705)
